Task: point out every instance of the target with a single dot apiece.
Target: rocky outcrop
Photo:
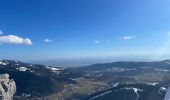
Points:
(7, 87)
(167, 95)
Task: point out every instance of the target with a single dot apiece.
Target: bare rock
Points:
(7, 87)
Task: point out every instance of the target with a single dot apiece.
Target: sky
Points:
(51, 29)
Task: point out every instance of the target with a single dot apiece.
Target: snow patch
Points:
(130, 69)
(153, 84)
(136, 90)
(47, 67)
(100, 95)
(163, 89)
(162, 70)
(168, 62)
(115, 84)
(2, 63)
(55, 69)
(22, 69)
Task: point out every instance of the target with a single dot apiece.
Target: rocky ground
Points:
(7, 87)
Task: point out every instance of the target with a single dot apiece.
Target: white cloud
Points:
(1, 32)
(128, 37)
(96, 42)
(48, 40)
(12, 39)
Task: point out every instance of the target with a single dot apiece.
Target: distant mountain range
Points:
(123, 80)
(77, 62)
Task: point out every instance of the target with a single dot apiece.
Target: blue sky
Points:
(49, 29)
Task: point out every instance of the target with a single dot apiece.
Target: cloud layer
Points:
(12, 39)
(128, 37)
(48, 40)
